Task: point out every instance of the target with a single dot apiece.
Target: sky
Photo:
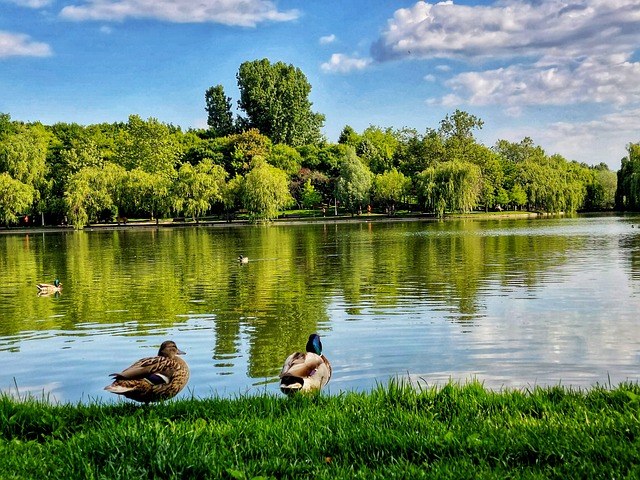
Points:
(564, 73)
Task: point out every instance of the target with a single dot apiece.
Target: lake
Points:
(514, 303)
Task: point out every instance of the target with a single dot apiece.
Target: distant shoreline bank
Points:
(364, 218)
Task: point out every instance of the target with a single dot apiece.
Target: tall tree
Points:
(219, 114)
(457, 132)
(275, 99)
(354, 182)
(628, 194)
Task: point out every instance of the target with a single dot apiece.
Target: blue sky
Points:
(565, 73)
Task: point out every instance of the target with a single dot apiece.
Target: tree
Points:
(244, 147)
(450, 186)
(354, 182)
(148, 145)
(197, 188)
(285, 158)
(457, 133)
(517, 196)
(219, 115)
(378, 148)
(265, 191)
(628, 194)
(23, 155)
(15, 197)
(275, 99)
(143, 193)
(90, 192)
(389, 187)
(310, 196)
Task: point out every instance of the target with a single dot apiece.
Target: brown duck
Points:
(154, 378)
(306, 371)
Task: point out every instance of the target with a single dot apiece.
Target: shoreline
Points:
(364, 218)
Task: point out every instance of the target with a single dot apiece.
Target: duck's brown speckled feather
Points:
(153, 378)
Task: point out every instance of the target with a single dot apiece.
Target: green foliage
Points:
(456, 131)
(91, 192)
(389, 188)
(285, 158)
(628, 194)
(245, 147)
(275, 99)
(394, 431)
(354, 183)
(148, 145)
(15, 197)
(219, 115)
(450, 187)
(283, 131)
(265, 191)
(309, 195)
(197, 188)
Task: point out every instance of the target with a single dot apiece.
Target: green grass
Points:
(394, 431)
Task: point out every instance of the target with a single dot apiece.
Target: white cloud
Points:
(20, 45)
(509, 29)
(609, 79)
(246, 13)
(327, 39)
(552, 52)
(341, 63)
(31, 3)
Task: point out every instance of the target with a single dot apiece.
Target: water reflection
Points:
(511, 302)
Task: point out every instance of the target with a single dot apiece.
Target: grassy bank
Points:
(455, 431)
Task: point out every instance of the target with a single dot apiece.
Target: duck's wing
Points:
(155, 369)
(300, 364)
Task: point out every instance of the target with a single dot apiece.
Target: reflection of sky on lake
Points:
(574, 321)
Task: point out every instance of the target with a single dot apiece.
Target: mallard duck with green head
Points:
(306, 371)
(153, 378)
(54, 287)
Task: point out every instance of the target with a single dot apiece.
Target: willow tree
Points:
(265, 191)
(15, 197)
(91, 192)
(23, 154)
(449, 187)
(198, 187)
(354, 183)
(628, 194)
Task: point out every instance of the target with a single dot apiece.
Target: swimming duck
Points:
(306, 372)
(242, 259)
(153, 378)
(50, 288)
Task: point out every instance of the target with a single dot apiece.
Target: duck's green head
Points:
(56, 282)
(314, 345)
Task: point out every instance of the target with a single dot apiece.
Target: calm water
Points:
(513, 303)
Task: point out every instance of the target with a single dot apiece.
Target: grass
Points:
(394, 431)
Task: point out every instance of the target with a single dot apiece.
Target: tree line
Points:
(272, 156)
